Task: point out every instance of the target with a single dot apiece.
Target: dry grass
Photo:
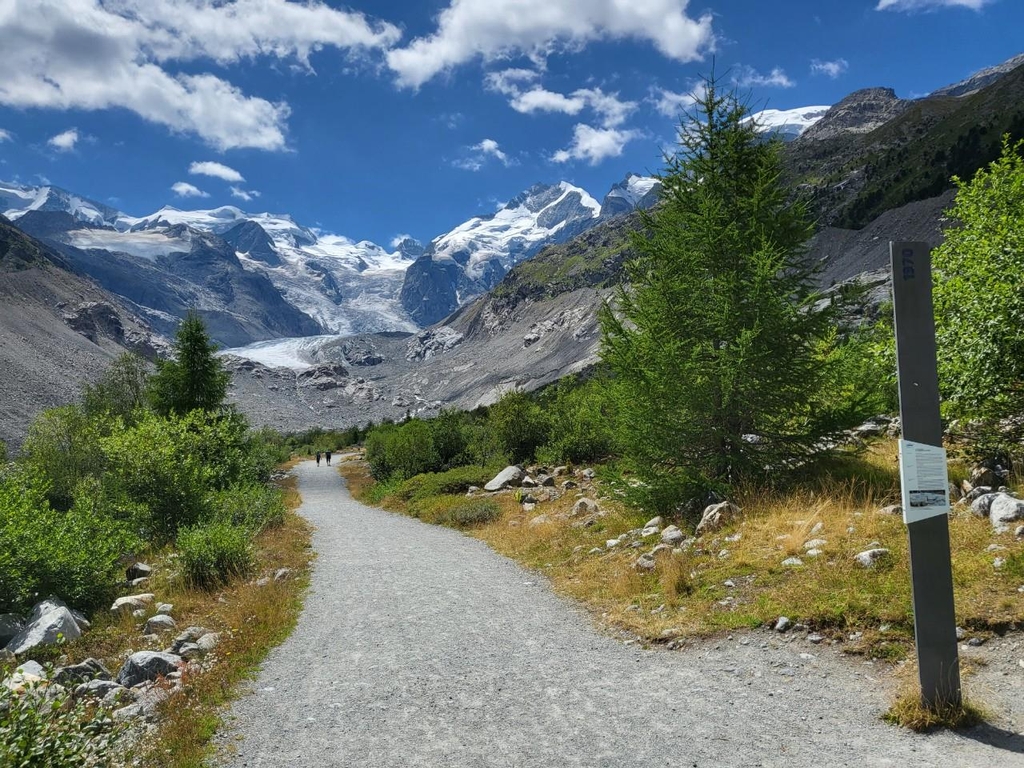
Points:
(908, 711)
(251, 620)
(735, 578)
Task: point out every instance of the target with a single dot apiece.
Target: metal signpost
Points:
(923, 476)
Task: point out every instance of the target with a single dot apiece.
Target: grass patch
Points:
(907, 711)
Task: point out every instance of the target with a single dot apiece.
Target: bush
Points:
(454, 481)
(63, 448)
(43, 551)
(52, 730)
(448, 436)
(213, 553)
(254, 507)
(519, 425)
(581, 419)
(470, 513)
(376, 452)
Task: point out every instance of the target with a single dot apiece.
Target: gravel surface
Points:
(418, 646)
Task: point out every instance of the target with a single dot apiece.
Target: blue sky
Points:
(373, 119)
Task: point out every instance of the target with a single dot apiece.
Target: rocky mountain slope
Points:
(58, 330)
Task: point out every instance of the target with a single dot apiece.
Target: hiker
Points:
(318, 458)
(328, 454)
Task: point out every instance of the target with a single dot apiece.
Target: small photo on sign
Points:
(927, 498)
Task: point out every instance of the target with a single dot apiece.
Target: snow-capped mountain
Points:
(788, 124)
(474, 256)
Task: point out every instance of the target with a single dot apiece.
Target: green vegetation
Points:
(195, 378)
(725, 359)
(213, 552)
(49, 729)
(979, 301)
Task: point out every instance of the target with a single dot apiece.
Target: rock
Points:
(893, 509)
(672, 535)
(30, 673)
(596, 551)
(141, 581)
(814, 552)
(164, 608)
(559, 471)
(529, 482)
(509, 476)
(159, 623)
(716, 516)
(645, 563)
(815, 638)
(655, 522)
(783, 624)
(585, 507)
(138, 571)
(568, 485)
(147, 665)
(208, 641)
(191, 651)
(612, 543)
(131, 603)
(90, 669)
(1018, 532)
(815, 543)
(47, 629)
(97, 689)
(10, 625)
(282, 573)
(129, 712)
(649, 532)
(547, 481)
(45, 606)
(869, 557)
(539, 520)
(262, 581)
(982, 504)
(1005, 509)
(973, 493)
(529, 499)
(792, 562)
(817, 528)
(588, 473)
(82, 622)
(659, 548)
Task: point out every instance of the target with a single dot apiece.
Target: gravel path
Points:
(418, 646)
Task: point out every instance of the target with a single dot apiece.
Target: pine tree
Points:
(716, 342)
(195, 378)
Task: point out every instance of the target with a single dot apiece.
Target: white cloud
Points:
(217, 170)
(5, 135)
(64, 142)
(747, 77)
(493, 29)
(184, 189)
(87, 54)
(670, 103)
(244, 194)
(595, 144)
(397, 240)
(479, 154)
(536, 98)
(832, 69)
(542, 100)
(929, 5)
(507, 81)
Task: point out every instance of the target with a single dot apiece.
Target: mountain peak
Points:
(860, 112)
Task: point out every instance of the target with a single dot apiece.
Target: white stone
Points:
(509, 476)
(869, 557)
(792, 562)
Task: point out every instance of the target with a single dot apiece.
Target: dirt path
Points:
(421, 647)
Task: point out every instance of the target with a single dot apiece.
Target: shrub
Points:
(376, 452)
(52, 730)
(581, 419)
(254, 507)
(519, 425)
(43, 551)
(454, 481)
(474, 512)
(63, 447)
(213, 553)
(448, 435)
(120, 392)
(411, 449)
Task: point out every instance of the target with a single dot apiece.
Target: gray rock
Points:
(559, 471)
(655, 522)
(1018, 532)
(815, 543)
(645, 563)
(659, 548)
(893, 509)
(1003, 510)
(815, 638)
(138, 571)
(10, 625)
(282, 573)
(783, 624)
(588, 473)
(509, 476)
(870, 557)
(147, 665)
(129, 712)
(90, 669)
(529, 482)
(131, 603)
(539, 520)
(97, 689)
(792, 562)
(82, 622)
(165, 608)
(546, 481)
(982, 504)
(977, 492)
(159, 623)
(27, 674)
(585, 507)
(47, 629)
(568, 485)
(191, 651)
(716, 516)
(142, 580)
(672, 535)
(208, 641)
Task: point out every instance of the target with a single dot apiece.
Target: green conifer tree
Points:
(717, 341)
(195, 378)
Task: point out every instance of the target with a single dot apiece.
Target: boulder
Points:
(131, 603)
(159, 623)
(509, 476)
(191, 651)
(645, 563)
(46, 630)
(10, 625)
(546, 481)
(792, 562)
(815, 544)
(208, 641)
(783, 623)
(45, 606)
(716, 516)
(655, 522)
(870, 557)
(90, 669)
(982, 504)
(97, 689)
(147, 665)
(138, 571)
(672, 535)
(529, 482)
(585, 507)
(28, 674)
(559, 471)
(164, 608)
(1003, 510)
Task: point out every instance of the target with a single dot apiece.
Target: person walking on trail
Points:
(328, 455)
(318, 459)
